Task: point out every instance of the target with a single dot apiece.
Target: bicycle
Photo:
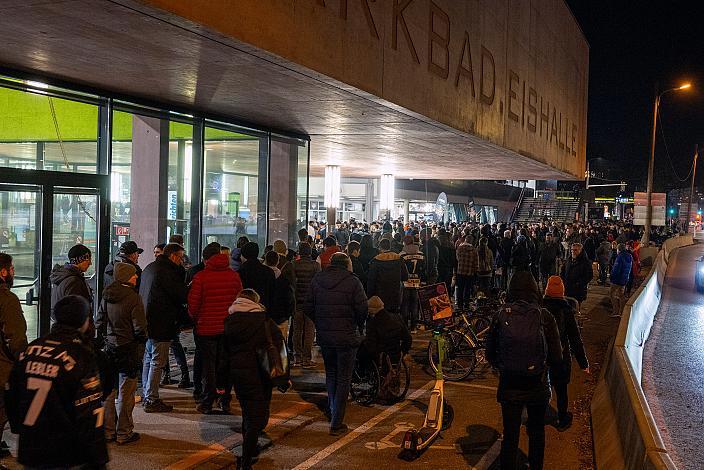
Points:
(369, 378)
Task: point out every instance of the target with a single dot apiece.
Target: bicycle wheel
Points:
(448, 415)
(480, 324)
(365, 383)
(404, 377)
(460, 357)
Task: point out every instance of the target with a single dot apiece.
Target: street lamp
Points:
(651, 163)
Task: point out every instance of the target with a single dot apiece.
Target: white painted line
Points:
(490, 457)
(463, 384)
(360, 430)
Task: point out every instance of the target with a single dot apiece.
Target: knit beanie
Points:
(280, 247)
(375, 304)
(71, 311)
(555, 287)
(123, 272)
(78, 253)
(250, 250)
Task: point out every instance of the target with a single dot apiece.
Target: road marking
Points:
(490, 457)
(481, 387)
(360, 430)
(385, 442)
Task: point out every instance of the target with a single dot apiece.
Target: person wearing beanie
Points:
(330, 247)
(386, 275)
(563, 311)
(303, 327)
(121, 323)
(255, 275)
(385, 333)
(67, 430)
(129, 253)
(68, 279)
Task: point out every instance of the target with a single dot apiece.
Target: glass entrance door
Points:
(20, 237)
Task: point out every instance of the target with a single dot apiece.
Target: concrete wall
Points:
(511, 71)
(624, 431)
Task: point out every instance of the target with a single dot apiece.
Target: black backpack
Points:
(523, 348)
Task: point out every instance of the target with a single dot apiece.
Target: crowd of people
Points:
(350, 288)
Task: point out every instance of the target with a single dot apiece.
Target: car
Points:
(699, 275)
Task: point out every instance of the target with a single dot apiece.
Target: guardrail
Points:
(624, 431)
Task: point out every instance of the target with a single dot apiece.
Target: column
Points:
(387, 196)
(149, 177)
(406, 211)
(332, 194)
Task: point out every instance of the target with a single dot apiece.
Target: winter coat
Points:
(504, 253)
(467, 260)
(548, 255)
(563, 312)
(386, 333)
(359, 270)
(338, 306)
(576, 274)
(622, 268)
(485, 261)
(192, 271)
(13, 333)
(431, 251)
(522, 388)
(305, 268)
(255, 275)
(68, 431)
(603, 253)
(366, 255)
(69, 280)
(212, 292)
(326, 256)
(590, 245)
(244, 336)
(163, 291)
(235, 259)
(121, 319)
(387, 271)
(110, 269)
(447, 261)
(520, 256)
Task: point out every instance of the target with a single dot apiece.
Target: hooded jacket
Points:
(235, 259)
(163, 291)
(387, 271)
(431, 251)
(69, 280)
(386, 333)
(255, 275)
(576, 274)
(338, 307)
(563, 312)
(244, 336)
(120, 319)
(110, 270)
(621, 271)
(304, 268)
(521, 388)
(603, 252)
(212, 292)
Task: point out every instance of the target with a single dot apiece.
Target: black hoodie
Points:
(120, 319)
(69, 280)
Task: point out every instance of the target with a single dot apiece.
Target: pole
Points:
(651, 166)
(691, 189)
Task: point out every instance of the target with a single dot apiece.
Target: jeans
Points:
(465, 283)
(255, 416)
(618, 300)
(180, 356)
(303, 332)
(409, 307)
(603, 271)
(511, 413)
(211, 353)
(339, 364)
(118, 413)
(156, 354)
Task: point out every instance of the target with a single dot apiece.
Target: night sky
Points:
(633, 46)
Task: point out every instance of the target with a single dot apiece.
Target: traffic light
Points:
(672, 211)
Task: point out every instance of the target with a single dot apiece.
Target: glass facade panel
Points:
(234, 204)
(289, 160)
(178, 209)
(41, 132)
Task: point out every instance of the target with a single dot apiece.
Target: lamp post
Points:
(651, 164)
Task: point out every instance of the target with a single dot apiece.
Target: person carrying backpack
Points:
(523, 341)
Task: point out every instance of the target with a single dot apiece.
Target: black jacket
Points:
(520, 255)
(244, 335)
(548, 254)
(386, 333)
(69, 280)
(120, 319)
(431, 251)
(521, 388)
(338, 307)
(385, 277)
(65, 432)
(164, 294)
(305, 268)
(576, 274)
(563, 312)
(504, 253)
(110, 270)
(261, 278)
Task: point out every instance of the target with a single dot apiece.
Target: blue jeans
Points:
(156, 353)
(339, 364)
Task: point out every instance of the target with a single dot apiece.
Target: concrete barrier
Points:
(624, 431)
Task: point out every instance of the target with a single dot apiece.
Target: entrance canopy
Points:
(177, 58)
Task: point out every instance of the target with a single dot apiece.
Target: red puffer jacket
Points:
(212, 292)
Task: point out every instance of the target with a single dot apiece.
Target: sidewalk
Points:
(186, 439)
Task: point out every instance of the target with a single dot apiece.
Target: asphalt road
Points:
(673, 362)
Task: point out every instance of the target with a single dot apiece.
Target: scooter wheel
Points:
(448, 415)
